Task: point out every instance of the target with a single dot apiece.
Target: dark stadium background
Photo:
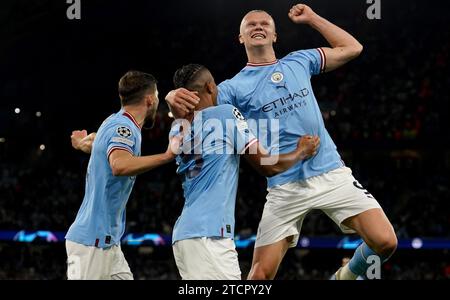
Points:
(387, 111)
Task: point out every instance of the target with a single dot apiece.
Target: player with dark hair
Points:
(271, 88)
(214, 139)
(93, 240)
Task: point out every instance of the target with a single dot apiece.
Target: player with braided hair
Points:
(213, 140)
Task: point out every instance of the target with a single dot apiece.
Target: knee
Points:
(386, 245)
(259, 273)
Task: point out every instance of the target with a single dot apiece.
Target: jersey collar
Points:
(129, 116)
(249, 64)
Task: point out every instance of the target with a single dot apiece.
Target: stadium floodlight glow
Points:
(2, 140)
(244, 242)
(17, 110)
(416, 243)
(42, 147)
(136, 240)
(348, 243)
(304, 242)
(38, 114)
(29, 237)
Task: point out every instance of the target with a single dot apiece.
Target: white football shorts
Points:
(207, 259)
(337, 193)
(92, 263)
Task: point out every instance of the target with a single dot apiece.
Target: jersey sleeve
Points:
(313, 60)
(120, 137)
(226, 94)
(239, 135)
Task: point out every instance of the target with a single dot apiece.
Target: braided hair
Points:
(185, 76)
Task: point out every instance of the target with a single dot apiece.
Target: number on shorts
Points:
(359, 186)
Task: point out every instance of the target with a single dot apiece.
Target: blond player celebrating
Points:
(271, 88)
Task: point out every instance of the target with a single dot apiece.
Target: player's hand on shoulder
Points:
(182, 102)
(76, 138)
(308, 146)
(301, 14)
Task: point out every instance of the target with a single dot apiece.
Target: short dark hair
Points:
(186, 75)
(134, 85)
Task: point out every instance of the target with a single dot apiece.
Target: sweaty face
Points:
(257, 29)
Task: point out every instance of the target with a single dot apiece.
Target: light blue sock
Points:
(358, 264)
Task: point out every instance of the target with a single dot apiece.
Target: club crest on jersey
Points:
(124, 131)
(277, 77)
(237, 114)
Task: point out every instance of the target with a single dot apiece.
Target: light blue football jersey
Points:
(100, 220)
(209, 167)
(281, 91)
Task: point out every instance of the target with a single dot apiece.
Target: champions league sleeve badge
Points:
(124, 131)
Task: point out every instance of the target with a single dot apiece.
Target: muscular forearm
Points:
(135, 165)
(271, 165)
(282, 162)
(344, 47)
(337, 37)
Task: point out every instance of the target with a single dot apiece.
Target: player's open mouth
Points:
(258, 36)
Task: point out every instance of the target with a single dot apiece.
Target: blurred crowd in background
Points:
(388, 113)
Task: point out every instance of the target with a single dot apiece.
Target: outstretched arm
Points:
(82, 141)
(123, 163)
(344, 47)
(271, 165)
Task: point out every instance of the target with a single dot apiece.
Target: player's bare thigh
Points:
(267, 259)
(375, 229)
